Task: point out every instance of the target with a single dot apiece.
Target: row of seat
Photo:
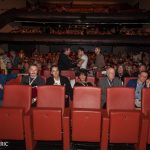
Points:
(85, 121)
(90, 79)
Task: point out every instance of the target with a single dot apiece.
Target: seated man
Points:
(83, 78)
(109, 81)
(56, 79)
(3, 79)
(138, 84)
(33, 79)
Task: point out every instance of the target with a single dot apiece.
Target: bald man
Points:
(109, 81)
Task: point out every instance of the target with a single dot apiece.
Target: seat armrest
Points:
(66, 129)
(66, 112)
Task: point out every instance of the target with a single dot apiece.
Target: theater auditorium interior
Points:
(74, 74)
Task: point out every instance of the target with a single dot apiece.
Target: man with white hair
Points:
(109, 81)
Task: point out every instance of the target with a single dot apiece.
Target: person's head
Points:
(82, 75)
(110, 73)
(67, 51)
(55, 71)
(120, 69)
(142, 68)
(80, 51)
(1, 51)
(97, 50)
(12, 53)
(142, 77)
(33, 70)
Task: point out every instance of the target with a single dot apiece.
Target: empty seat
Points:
(86, 114)
(49, 120)
(146, 111)
(121, 123)
(16, 103)
(68, 73)
(16, 81)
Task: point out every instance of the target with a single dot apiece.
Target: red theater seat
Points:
(86, 114)
(16, 103)
(49, 120)
(68, 73)
(121, 123)
(126, 80)
(16, 81)
(146, 110)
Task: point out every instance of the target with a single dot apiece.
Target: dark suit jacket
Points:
(64, 81)
(133, 83)
(64, 63)
(37, 82)
(103, 84)
(80, 84)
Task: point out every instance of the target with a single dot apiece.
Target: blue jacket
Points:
(3, 79)
(133, 83)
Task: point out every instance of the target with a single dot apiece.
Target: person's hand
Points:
(1, 87)
(78, 65)
(148, 83)
(94, 67)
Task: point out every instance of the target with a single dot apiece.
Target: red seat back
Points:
(126, 80)
(68, 73)
(124, 119)
(87, 97)
(17, 96)
(16, 81)
(51, 96)
(120, 98)
(146, 101)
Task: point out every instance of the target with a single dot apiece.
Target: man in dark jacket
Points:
(138, 85)
(56, 79)
(64, 62)
(34, 80)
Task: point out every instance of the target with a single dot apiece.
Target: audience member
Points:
(64, 62)
(99, 61)
(138, 84)
(83, 59)
(121, 73)
(83, 79)
(57, 79)
(109, 81)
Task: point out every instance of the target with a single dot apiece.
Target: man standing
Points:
(109, 81)
(83, 59)
(64, 62)
(99, 62)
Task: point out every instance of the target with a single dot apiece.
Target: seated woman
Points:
(121, 73)
(83, 78)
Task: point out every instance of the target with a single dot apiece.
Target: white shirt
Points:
(57, 82)
(84, 64)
